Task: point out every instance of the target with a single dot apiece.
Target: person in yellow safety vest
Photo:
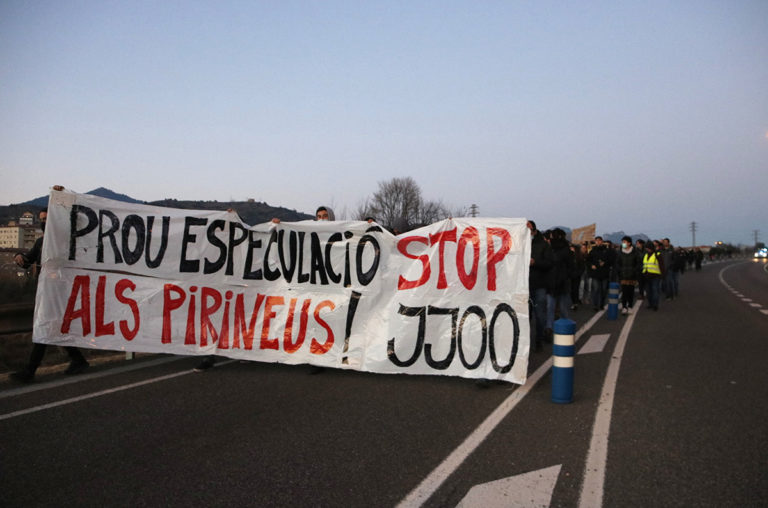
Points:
(653, 267)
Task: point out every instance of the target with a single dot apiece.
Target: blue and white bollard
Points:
(613, 301)
(563, 350)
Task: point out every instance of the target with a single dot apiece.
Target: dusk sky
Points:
(639, 116)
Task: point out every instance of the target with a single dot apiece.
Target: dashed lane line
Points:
(738, 295)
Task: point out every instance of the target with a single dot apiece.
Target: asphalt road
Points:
(686, 425)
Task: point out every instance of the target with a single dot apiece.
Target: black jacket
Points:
(594, 258)
(541, 254)
(629, 266)
(563, 266)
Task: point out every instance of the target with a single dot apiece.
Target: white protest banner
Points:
(449, 299)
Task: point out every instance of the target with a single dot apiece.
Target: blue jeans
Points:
(562, 302)
(539, 311)
(675, 283)
(599, 292)
(652, 289)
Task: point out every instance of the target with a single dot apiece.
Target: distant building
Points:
(27, 219)
(19, 237)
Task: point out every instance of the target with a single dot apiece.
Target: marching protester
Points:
(585, 289)
(667, 253)
(653, 269)
(599, 270)
(612, 252)
(558, 287)
(540, 264)
(698, 257)
(679, 260)
(579, 265)
(78, 363)
(628, 268)
(640, 247)
(322, 213)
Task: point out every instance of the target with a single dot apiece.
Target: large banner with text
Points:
(448, 299)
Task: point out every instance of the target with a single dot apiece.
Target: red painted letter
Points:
(82, 284)
(170, 304)
(402, 246)
(316, 347)
(120, 288)
(240, 322)
(266, 342)
(495, 257)
(472, 236)
(101, 327)
(205, 315)
(440, 238)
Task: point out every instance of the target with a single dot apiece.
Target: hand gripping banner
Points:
(450, 298)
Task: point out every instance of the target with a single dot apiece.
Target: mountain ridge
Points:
(251, 212)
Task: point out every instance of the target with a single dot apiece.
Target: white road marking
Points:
(533, 489)
(594, 470)
(431, 483)
(595, 344)
(68, 380)
(87, 396)
(736, 293)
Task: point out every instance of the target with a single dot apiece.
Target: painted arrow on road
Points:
(528, 489)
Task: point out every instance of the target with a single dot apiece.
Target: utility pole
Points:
(693, 231)
(473, 210)
(757, 237)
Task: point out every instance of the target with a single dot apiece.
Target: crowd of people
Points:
(564, 276)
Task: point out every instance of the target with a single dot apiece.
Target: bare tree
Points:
(364, 210)
(395, 199)
(400, 198)
(432, 211)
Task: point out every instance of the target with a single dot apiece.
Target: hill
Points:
(251, 212)
(42, 201)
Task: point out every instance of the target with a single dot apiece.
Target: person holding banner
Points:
(322, 213)
(78, 363)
